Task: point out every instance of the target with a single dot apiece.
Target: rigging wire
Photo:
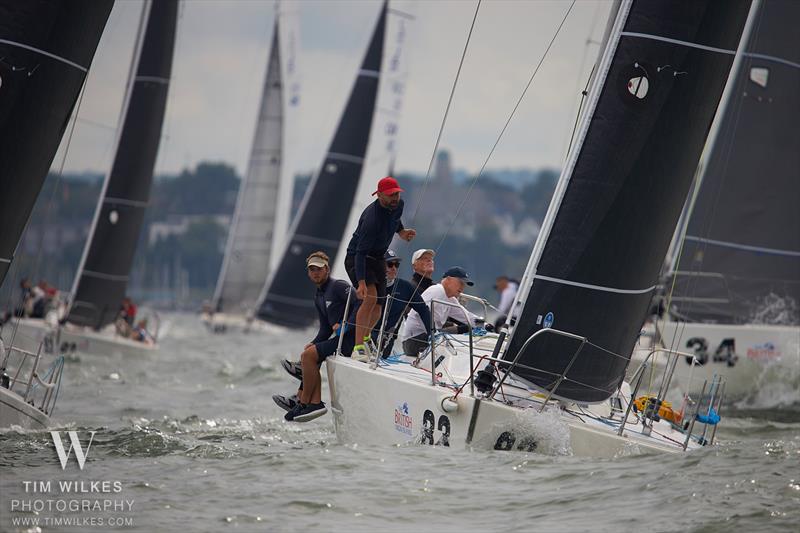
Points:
(435, 149)
(584, 92)
(494, 146)
(447, 111)
(505, 126)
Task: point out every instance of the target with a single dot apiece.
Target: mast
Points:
(595, 264)
(102, 278)
(741, 238)
(46, 49)
(322, 217)
(248, 252)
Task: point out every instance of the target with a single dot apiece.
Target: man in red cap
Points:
(365, 257)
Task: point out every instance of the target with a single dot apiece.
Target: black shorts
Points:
(375, 273)
(328, 347)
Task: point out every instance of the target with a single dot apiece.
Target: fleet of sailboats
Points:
(88, 324)
(566, 347)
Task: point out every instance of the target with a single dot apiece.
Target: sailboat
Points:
(252, 237)
(320, 222)
(591, 274)
(102, 278)
(736, 299)
(46, 51)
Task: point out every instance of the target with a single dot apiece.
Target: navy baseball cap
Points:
(460, 273)
(391, 256)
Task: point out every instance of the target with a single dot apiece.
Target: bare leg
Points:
(316, 395)
(311, 378)
(364, 314)
(374, 317)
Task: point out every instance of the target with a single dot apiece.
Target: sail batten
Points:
(320, 222)
(103, 275)
(595, 267)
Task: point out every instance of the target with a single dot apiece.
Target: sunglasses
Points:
(393, 265)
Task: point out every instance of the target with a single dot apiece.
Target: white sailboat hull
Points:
(393, 405)
(763, 356)
(230, 323)
(71, 339)
(15, 412)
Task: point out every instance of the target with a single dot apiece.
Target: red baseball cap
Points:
(388, 185)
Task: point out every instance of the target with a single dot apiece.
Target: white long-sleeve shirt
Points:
(507, 297)
(413, 325)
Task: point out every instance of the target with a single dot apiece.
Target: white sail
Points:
(248, 252)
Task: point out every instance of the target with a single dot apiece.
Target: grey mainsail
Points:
(742, 238)
(594, 267)
(46, 49)
(102, 277)
(321, 219)
(248, 252)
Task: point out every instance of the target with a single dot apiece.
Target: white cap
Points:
(419, 253)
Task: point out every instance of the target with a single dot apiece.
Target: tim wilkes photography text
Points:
(78, 503)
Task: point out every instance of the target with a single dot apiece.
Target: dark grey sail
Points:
(322, 217)
(742, 242)
(46, 48)
(103, 276)
(597, 260)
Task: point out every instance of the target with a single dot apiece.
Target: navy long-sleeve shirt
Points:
(330, 301)
(376, 228)
(403, 292)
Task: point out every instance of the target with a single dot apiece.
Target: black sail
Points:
(742, 243)
(595, 270)
(103, 278)
(46, 48)
(321, 220)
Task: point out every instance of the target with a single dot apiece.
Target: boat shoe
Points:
(306, 412)
(286, 403)
(293, 368)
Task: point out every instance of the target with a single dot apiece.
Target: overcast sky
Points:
(220, 60)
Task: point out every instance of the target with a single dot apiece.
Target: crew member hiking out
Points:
(330, 301)
(364, 260)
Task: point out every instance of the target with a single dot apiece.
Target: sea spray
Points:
(529, 431)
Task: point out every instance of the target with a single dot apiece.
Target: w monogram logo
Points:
(75, 444)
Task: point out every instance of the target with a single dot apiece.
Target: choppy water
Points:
(195, 441)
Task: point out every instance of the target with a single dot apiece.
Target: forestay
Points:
(103, 275)
(742, 242)
(594, 268)
(45, 52)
